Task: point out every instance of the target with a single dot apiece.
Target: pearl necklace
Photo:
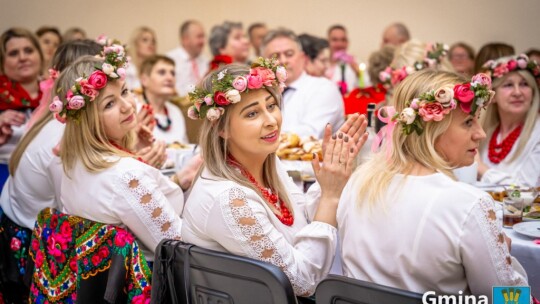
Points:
(497, 152)
(268, 195)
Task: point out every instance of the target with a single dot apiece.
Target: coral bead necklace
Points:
(268, 195)
(498, 151)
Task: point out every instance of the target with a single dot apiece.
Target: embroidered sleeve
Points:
(152, 218)
(254, 235)
(485, 253)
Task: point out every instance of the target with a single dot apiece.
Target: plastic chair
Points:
(184, 273)
(75, 260)
(343, 290)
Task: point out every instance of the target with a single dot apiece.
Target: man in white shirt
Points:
(339, 42)
(191, 65)
(309, 103)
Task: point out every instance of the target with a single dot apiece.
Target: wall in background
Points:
(473, 21)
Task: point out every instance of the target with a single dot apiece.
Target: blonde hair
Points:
(85, 139)
(491, 119)
(373, 178)
(412, 51)
(64, 56)
(132, 47)
(214, 147)
(378, 61)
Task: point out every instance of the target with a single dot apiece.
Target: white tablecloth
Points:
(528, 254)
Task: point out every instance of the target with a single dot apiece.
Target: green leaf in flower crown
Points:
(203, 111)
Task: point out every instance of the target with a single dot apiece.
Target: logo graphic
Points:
(511, 295)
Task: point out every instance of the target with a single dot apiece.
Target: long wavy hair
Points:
(85, 140)
(373, 177)
(215, 149)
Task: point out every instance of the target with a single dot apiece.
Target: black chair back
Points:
(343, 290)
(184, 273)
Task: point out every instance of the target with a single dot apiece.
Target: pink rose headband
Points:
(434, 54)
(502, 66)
(86, 88)
(226, 89)
(433, 105)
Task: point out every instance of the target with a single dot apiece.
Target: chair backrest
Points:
(343, 290)
(184, 273)
(76, 260)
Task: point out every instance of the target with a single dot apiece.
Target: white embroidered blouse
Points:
(430, 234)
(131, 194)
(225, 216)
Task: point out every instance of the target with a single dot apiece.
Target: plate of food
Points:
(179, 153)
(293, 148)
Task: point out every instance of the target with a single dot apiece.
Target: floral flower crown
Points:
(86, 88)
(226, 90)
(502, 66)
(433, 105)
(434, 54)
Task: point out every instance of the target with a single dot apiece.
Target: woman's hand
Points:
(5, 133)
(145, 127)
(145, 117)
(154, 155)
(334, 173)
(355, 128)
(145, 138)
(186, 175)
(12, 118)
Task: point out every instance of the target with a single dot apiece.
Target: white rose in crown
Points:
(407, 115)
(233, 96)
(444, 96)
(107, 68)
(213, 114)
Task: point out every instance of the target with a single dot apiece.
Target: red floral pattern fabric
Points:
(67, 250)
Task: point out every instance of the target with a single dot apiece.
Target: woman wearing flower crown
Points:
(34, 171)
(104, 181)
(421, 230)
(511, 153)
(243, 201)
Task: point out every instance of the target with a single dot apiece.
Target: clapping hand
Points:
(154, 155)
(355, 128)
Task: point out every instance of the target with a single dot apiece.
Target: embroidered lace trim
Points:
(248, 230)
(484, 214)
(151, 206)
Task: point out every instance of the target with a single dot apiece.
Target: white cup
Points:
(467, 174)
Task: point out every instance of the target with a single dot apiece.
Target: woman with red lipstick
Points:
(511, 153)
(243, 201)
(405, 205)
(103, 180)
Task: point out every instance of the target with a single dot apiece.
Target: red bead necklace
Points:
(127, 151)
(268, 195)
(497, 152)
